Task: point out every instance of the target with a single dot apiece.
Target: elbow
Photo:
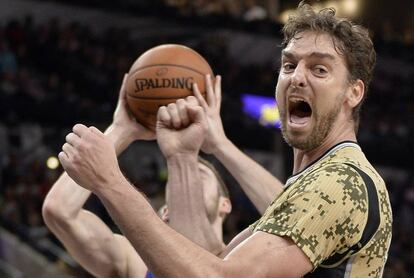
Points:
(53, 213)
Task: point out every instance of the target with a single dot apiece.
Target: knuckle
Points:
(162, 110)
(75, 159)
(191, 98)
(180, 102)
(82, 146)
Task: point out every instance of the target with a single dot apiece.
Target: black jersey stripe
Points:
(371, 226)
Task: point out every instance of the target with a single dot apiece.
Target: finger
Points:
(68, 149)
(163, 116)
(175, 117)
(80, 129)
(191, 100)
(95, 131)
(199, 97)
(182, 111)
(217, 90)
(210, 92)
(63, 158)
(73, 139)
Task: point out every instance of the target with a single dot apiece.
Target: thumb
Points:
(122, 91)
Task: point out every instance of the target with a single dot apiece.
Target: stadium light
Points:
(350, 7)
(52, 163)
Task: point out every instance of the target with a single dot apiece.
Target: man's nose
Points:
(298, 78)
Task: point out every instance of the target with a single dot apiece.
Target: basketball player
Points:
(333, 218)
(105, 254)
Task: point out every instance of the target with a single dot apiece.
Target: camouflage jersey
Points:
(337, 211)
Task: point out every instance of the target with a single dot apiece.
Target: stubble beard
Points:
(318, 134)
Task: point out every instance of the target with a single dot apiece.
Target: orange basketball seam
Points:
(167, 65)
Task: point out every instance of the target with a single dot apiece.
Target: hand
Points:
(215, 135)
(89, 158)
(125, 123)
(181, 127)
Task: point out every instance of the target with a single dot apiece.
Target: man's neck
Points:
(302, 158)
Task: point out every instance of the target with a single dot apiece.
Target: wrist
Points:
(182, 158)
(221, 148)
(119, 137)
(117, 184)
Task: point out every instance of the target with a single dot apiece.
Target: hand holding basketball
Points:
(162, 75)
(125, 123)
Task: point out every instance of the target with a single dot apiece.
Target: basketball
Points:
(162, 75)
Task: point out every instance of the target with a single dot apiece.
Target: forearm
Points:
(76, 228)
(185, 201)
(259, 185)
(165, 252)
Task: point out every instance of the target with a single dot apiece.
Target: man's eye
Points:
(287, 67)
(320, 70)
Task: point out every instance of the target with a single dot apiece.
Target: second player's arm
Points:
(187, 212)
(87, 238)
(259, 184)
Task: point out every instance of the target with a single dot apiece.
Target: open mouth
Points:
(300, 111)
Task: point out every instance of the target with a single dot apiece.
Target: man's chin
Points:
(302, 145)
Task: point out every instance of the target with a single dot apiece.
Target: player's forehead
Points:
(311, 44)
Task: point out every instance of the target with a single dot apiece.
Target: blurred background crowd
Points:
(63, 64)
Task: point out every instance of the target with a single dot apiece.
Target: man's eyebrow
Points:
(315, 54)
(289, 55)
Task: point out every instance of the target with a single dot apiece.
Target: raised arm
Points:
(184, 193)
(259, 185)
(85, 236)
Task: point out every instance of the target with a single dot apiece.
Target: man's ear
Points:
(224, 206)
(163, 214)
(356, 93)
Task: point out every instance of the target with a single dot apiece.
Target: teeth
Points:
(296, 100)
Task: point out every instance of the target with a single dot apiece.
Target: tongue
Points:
(298, 120)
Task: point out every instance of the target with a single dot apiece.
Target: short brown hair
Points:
(350, 40)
